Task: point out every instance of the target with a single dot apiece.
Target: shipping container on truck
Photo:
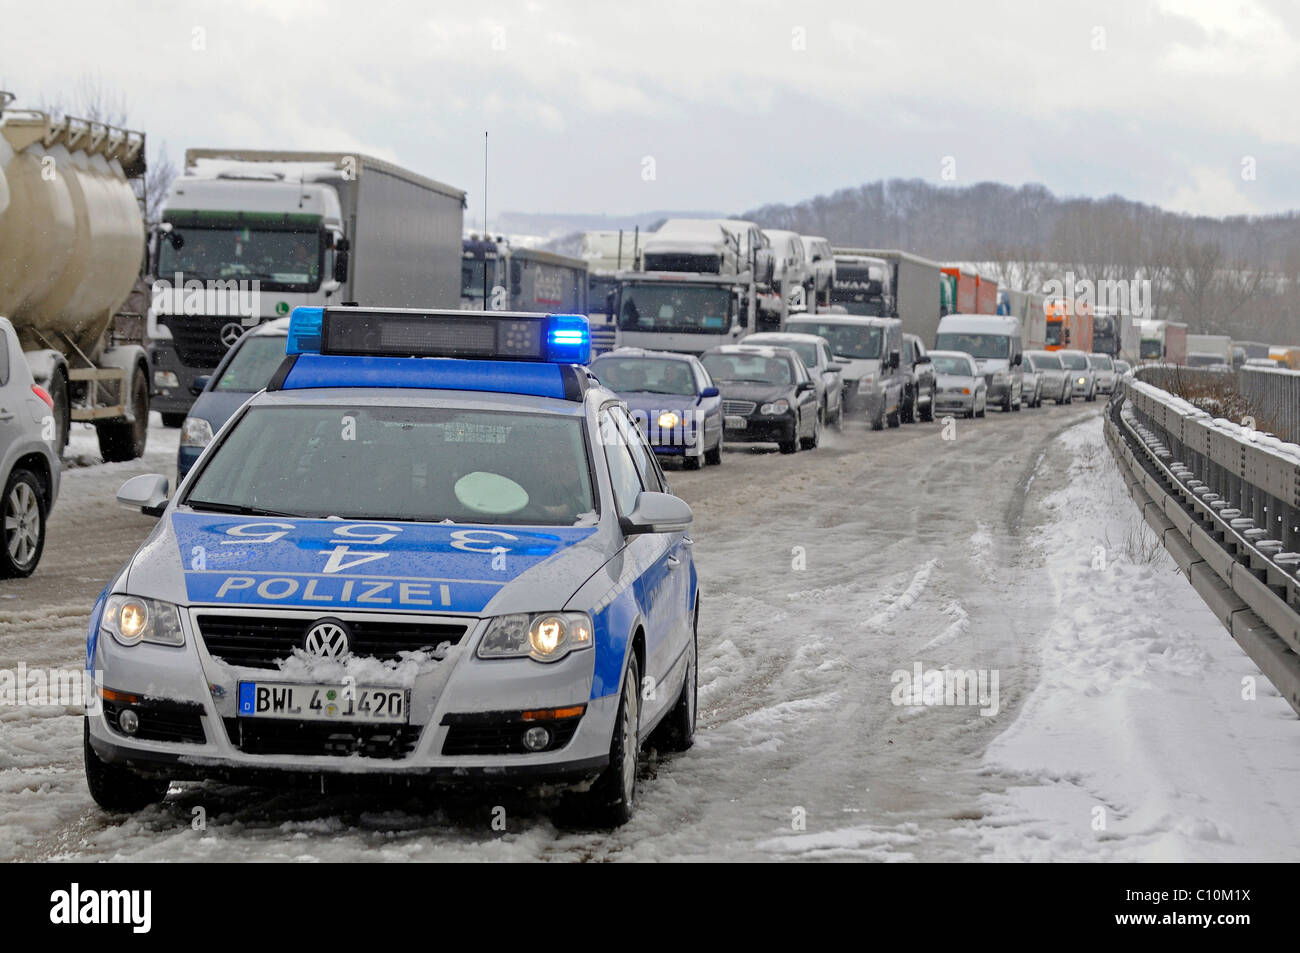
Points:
(71, 247)
(966, 296)
(1175, 342)
(311, 228)
(916, 286)
(986, 295)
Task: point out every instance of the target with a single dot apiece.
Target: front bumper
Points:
(445, 696)
(762, 430)
(1080, 390)
(954, 403)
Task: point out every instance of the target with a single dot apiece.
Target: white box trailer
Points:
(312, 229)
(915, 283)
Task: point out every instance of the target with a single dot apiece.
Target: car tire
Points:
(1006, 404)
(611, 799)
(120, 440)
(114, 787)
(173, 420)
(927, 415)
(714, 457)
(894, 419)
(839, 416)
(811, 443)
(984, 409)
(690, 462)
(22, 524)
(909, 412)
(677, 731)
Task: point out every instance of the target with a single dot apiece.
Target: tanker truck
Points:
(72, 240)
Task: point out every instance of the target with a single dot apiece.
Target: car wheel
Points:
(677, 731)
(984, 408)
(927, 415)
(22, 524)
(612, 798)
(911, 413)
(1006, 404)
(895, 418)
(691, 462)
(810, 443)
(117, 788)
(714, 457)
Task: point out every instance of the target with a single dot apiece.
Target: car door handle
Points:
(688, 541)
(673, 562)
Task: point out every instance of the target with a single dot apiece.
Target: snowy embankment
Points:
(1151, 735)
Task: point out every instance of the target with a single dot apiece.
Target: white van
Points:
(995, 341)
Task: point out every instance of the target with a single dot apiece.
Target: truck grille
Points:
(738, 408)
(197, 338)
(260, 641)
(274, 736)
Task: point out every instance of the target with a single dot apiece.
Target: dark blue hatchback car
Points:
(671, 397)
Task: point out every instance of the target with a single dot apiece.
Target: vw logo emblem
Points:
(327, 639)
(230, 333)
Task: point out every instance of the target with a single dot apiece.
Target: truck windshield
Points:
(252, 365)
(1151, 348)
(438, 464)
(278, 260)
(976, 345)
(1054, 333)
(672, 308)
(859, 341)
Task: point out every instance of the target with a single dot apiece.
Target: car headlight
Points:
(546, 636)
(1082, 380)
(776, 407)
(196, 432)
(668, 420)
(133, 619)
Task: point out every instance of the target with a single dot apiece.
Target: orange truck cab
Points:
(1069, 325)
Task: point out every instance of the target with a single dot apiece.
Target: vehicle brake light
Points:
(44, 395)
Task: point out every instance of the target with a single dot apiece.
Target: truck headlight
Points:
(196, 432)
(668, 420)
(546, 636)
(774, 408)
(133, 619)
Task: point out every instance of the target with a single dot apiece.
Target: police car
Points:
(434, 547)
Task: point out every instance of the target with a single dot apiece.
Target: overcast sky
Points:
(686, 104)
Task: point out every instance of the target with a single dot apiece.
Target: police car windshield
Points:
(253, 364)
(647, 375)
(421, 464)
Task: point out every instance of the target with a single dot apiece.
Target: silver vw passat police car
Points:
(434, 547)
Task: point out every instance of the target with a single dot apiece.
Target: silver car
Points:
(1053, 379)
(28, 463)
(1103, 368)
(960, 388)
(1083, 379)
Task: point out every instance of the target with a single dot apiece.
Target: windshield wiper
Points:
(240, 508)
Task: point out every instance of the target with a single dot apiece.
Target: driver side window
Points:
(623, 474)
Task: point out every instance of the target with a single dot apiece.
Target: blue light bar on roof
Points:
(466, 335)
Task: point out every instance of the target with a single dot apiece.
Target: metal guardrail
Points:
(1225, 503)
(1272, 394)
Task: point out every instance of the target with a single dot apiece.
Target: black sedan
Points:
(767, 395)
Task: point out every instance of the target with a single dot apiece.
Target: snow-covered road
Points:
(829, 579)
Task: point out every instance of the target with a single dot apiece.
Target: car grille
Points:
(197, 338)
(276, 736)
(738, 408)
(260, 641)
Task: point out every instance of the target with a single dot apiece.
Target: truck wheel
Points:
(124, 440)
(116, 788)
(611, 799)
(62, 412)
(173, 420)
(22, 524)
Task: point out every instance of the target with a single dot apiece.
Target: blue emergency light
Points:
(466, 335)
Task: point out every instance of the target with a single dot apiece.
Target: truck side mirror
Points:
(341, 264)
(609, 306)
(893, 360)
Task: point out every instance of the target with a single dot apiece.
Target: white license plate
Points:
(735, 423)
(383, 706)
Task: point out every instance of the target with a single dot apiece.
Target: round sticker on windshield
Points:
(490, 493)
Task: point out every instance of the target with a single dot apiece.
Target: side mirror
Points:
(341, 264)
(923, 359)
(1017, 360)
(836, 367)
(709, 392)
(200, 384)
(804, 386)
(147, 491)
(893, 360)
(657, 513)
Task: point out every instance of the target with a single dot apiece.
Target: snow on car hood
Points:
(346, 564)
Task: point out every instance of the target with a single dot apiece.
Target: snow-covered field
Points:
(1117, 730)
